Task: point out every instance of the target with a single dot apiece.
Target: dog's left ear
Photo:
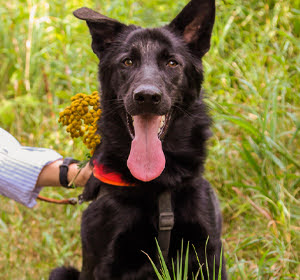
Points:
(195, 24)
(103, 29)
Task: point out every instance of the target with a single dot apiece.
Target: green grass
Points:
(252, 83)
(180, 268)
(179, 272)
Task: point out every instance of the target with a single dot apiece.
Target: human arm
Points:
(49, 175)
(25, 170)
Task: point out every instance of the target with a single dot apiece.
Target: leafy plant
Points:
(180, 267)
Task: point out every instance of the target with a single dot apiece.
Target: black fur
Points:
(68, 273)
(120, 225)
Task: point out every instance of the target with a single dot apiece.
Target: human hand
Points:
(77, 176)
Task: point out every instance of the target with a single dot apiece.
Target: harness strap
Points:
(166, 222)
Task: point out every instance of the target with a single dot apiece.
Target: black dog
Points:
(154, 127)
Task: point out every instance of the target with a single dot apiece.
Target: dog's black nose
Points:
(147, 95)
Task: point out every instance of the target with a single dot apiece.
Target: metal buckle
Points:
(166, 220)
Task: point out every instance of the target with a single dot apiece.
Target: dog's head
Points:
(150, 72)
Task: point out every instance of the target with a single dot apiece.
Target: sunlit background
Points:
(252, 84)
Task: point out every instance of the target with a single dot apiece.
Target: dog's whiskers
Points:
(184, 111)
(111, 110)
(112, 101)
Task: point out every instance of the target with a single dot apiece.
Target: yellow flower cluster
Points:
(81, 118)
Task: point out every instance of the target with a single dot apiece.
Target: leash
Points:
(72, 201)
(63, 173)
(166, 214)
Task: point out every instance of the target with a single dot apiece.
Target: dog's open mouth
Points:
(146, 160)
(162, 130)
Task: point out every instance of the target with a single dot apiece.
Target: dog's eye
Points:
(172, 63)
(128, 62)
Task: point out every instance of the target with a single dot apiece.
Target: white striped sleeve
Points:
(20, 168)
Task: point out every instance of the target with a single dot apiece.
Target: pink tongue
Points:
(146, 160)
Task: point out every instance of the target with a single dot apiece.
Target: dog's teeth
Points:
(162, 121)
(161, 125)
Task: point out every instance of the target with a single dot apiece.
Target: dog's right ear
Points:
(103, 29)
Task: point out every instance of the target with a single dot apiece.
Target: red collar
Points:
(112, 178)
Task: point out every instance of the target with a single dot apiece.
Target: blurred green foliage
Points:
(252, 83)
